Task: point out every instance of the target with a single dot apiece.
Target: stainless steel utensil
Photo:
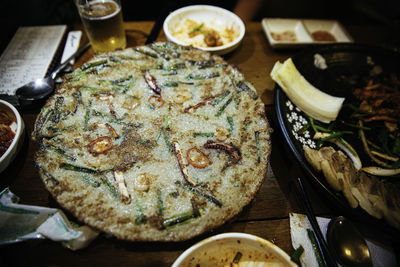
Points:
(41, 88)
(347, 243)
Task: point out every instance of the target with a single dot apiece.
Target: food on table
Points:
(153, 143)
(8, 126)
(285, 36)
(305, 96)
(367, 131)
(205, 34)
(323, 36)
(377, 198)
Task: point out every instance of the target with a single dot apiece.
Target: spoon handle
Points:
(323, 247)
(66, 62)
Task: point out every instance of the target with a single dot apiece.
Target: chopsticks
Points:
(322, 246)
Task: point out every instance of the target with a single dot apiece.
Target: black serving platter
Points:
(346, 64)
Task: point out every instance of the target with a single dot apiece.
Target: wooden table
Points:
(267, 216)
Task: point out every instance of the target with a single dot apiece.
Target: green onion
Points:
(242, 85)
(88, 66)
(170, 84)
(231, 125)
(160, 203)
(304, 128)
(197, 192)
(166, 140)
(317, 253)
(75, 168)
(297, 254)
(237, 257)
(257, 138)
(220, 98)
(140, 218)
(331, 136)
(113, 190)
(90, 180)
(223, 107)
(61, 152)
(196, 29)
(145, 52)
(182, 218)
(203, 134)
(86, 120)
(43, 118)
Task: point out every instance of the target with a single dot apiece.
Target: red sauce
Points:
(323, 36)
(6, 134)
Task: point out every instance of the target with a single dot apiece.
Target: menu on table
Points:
(29, 55)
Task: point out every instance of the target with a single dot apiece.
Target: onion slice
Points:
(380, 171)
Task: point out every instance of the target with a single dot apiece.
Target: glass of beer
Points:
(102, 20)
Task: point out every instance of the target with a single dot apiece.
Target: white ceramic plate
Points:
(304, 31)
(209, 15)
(220, 250)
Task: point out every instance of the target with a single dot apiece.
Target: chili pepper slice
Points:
(197, 159)
(100, 145)
(156, 101)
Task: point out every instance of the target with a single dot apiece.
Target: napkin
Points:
(21, 222)
(382, 255)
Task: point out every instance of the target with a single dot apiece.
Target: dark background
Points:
(50, 12)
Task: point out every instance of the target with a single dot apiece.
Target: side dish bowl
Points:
(210, 16)
(17, 127)
(224, 249)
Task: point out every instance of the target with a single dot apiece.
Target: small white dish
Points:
(306, 32)
(221, 250)
(18, 128)
(210, 16)
(330, 26)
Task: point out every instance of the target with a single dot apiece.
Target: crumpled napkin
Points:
(21, 222)
(382, 255)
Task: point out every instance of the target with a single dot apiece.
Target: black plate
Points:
(354, 62)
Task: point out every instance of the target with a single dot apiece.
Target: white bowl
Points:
(209, 15)
(220, 250)
(19, 128)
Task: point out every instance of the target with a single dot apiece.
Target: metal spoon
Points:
(347, 243)
(43, 87)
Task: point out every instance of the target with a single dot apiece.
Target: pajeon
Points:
(153, 143)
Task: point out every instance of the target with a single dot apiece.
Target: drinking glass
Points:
(103, 23)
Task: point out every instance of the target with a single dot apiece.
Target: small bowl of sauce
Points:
(234, 249)
(11, 129)
(323, 36)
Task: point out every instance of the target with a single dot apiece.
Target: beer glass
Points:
(102, 20)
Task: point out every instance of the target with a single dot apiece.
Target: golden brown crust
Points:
(106, 152)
